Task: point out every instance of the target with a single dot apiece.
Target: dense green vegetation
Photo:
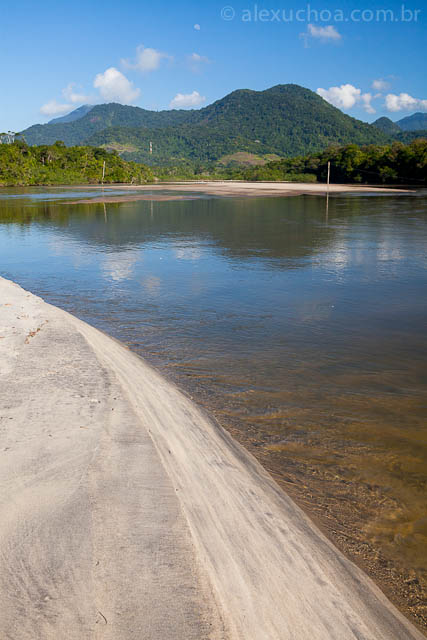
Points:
(57, 164)
(395, 163)
(286, 120)
(408, 136)
(387, 126)
(183, 145)
(390, 164)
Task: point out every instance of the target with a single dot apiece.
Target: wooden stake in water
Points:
(103, 172)
(327, 191)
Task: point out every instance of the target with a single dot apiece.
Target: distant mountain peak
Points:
(386, 125)
(415, 122)
(73, 115)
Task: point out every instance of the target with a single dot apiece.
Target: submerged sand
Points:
(232, 189)
(126, 512)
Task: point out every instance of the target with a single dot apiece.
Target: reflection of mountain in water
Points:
(269, 228)
(275, 229)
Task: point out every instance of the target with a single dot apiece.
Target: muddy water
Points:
(304, 334)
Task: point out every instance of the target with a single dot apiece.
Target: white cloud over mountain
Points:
(54, 108)
(113, 86)
(183, 100)
(347, 96)
(404, 102)
(71, 97)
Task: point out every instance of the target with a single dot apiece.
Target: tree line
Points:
(395, 163)
(23, 165)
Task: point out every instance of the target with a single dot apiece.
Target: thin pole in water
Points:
(327, 191)
(103, 172)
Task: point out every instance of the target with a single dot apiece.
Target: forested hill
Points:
(102, 116)
(415, 122)
(285, 120)
(21, 165)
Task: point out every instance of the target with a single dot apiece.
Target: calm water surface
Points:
(305, 335)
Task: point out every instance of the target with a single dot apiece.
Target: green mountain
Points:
(102, 116)
(387, 126)
(415, 122)
(286, 120)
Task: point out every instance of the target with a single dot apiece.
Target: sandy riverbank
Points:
(127, 513)
(233, 189)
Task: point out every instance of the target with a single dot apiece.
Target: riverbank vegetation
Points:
(395, 163)
(22, 165)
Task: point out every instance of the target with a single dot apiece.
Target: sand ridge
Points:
(228, 188)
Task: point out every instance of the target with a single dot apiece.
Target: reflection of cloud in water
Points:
(188, 252)
(119, 266)
(64, 247)
(390, 252)
(152, 285)
(339, 255)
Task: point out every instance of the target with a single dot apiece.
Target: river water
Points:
(303, 332)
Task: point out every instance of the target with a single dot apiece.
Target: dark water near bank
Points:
(305, 336)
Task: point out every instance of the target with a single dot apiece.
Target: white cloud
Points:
(146, 60)
(404, 102)
(347, 96)
(195, 57)
(197, 27)
(343, 97)
(54, 108)
(112, 85)
(115, 87)
(366, 99)
(72, 96)
(323, 33)
(196, 61)
(183, 100)
(380, 85)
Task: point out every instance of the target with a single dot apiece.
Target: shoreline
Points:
(86, 413)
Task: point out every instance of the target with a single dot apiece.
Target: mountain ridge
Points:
(285, 119)
(414, 122)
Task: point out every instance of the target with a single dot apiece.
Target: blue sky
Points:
(57, 55)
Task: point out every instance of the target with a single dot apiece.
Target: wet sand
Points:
(232, 189)
(126, 512)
